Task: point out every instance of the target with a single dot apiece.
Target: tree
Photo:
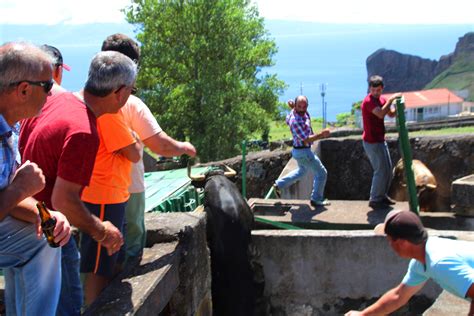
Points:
(199, 70)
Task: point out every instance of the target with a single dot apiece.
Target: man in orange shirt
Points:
(106, 197)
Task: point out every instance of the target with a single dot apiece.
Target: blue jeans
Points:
(379, 158)
(71, 299)
(307, 161)
(31, 267)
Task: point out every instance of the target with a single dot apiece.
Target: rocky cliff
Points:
(404, 72)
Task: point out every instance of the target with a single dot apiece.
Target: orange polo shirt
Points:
(111, 175)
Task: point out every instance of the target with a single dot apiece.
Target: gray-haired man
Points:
(64, 143)
(32, 269)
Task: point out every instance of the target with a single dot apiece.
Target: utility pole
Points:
(322, 87)
(301, 88)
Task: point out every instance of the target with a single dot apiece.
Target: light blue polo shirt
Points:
(450, 263)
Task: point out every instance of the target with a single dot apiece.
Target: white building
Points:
(426, 105)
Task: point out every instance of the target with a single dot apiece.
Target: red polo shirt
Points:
(374, 128)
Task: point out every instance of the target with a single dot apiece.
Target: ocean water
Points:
(309, 54)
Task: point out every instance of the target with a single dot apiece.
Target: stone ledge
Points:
(448, 304)
(462, 194)
(143, 289)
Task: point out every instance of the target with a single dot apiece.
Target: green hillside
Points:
(459, 76)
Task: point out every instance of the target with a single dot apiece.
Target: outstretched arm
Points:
(390, 301)
(386, 108)
(323, 134)
(163, 145)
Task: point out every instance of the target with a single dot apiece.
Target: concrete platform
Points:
(144, 289)
(346, 215)
(448, 304)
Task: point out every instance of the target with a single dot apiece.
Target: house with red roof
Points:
(425, 105)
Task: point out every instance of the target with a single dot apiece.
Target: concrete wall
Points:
(349, 170)
(311, 272)
(172, 277)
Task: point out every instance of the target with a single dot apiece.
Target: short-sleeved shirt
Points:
(139, 119)
(300, 126)
(374, 128)
(450, 263)
(9, 155)
(62, 140)
(111, 175)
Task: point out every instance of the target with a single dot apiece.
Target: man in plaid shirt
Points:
(299, 122)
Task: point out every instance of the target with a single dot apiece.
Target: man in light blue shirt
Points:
(450, 263)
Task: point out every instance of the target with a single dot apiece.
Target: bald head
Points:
(20, 62)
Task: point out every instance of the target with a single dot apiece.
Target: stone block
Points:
(462, 196)
(448, 304)
(143, 289)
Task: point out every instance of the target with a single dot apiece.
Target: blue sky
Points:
(330, 11)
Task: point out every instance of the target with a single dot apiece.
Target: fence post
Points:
(244, 169)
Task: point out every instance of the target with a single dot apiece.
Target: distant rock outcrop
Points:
(404, 72)
(401, 72)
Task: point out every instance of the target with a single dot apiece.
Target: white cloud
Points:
(370, 11)
(329, 11)
(61, 11)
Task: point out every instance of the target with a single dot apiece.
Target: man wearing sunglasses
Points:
(374, 109)
(32, 269)
(64, 143)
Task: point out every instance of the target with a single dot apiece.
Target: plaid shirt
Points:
(9, 154)
(300, 127)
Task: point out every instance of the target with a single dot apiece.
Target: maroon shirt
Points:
(62, 140)
(374, 128)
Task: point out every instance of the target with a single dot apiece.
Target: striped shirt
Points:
(9, 155)
(300, 126)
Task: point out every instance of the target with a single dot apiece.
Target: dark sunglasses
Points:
(46, 85)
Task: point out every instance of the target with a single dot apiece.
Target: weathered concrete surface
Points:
(347, 215)
(173, 274)
(144, 289)
(448, 304)
(310, 272)
(349, 171)
(463, 196)
(263, 168)
(193, 295)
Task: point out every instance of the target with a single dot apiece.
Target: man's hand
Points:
(394, 97)
(29, 179)
(353, 313)
(62, 231)
(325, 133)
(291, 104)
(188, 149)
(113, 238)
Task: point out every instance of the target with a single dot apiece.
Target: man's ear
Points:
(23, 90)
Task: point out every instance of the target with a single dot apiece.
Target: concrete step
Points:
(145, 288)
(448, 304)
(347, 214)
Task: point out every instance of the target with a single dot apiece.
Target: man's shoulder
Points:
(367, 100)
(133, 105)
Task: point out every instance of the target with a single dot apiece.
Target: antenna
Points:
(322, 88)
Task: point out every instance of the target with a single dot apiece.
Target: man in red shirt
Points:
(374, 109)
(64, 142)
